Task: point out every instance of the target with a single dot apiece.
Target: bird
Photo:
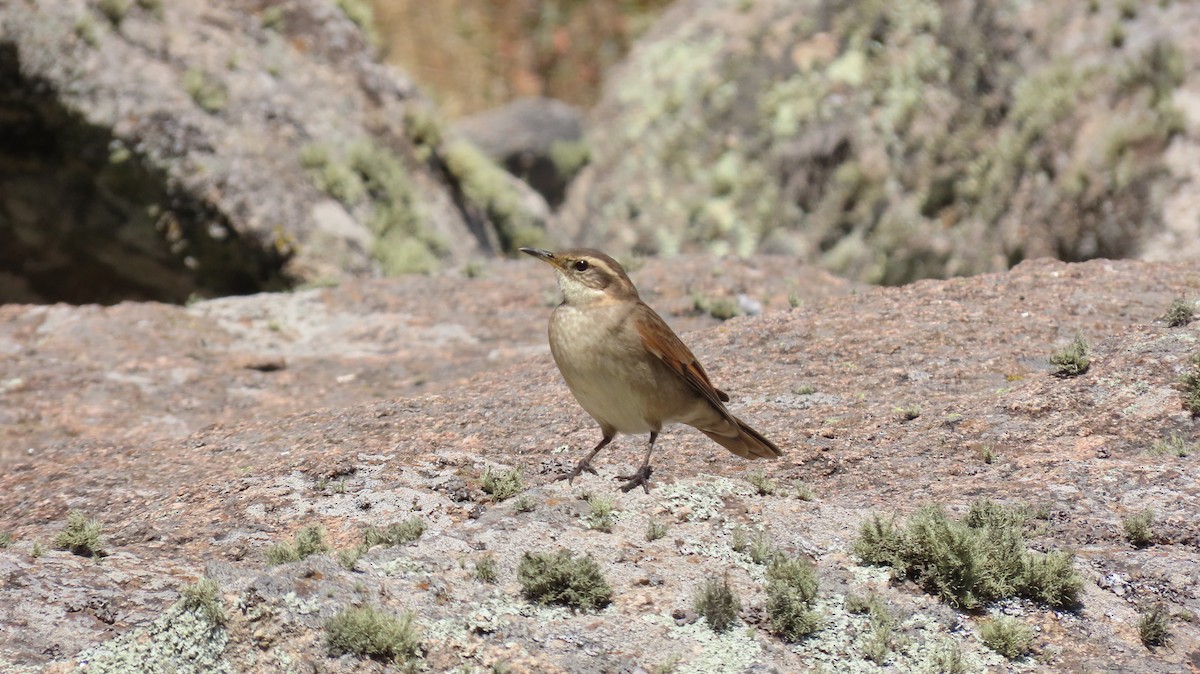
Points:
(626, 367)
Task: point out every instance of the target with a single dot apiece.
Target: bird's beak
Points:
(543, 255)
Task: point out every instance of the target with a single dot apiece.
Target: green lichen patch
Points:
(182, 641)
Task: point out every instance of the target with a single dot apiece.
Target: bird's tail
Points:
(747, 443)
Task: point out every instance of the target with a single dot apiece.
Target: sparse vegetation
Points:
(1154, 626)
(720, 308)
(6, 539)
(208, 93)
(502, 484)
(310, 540)
(86, 30)
(204, 597)
(1073, 360)
(115, 10)
(908, 413)
(361, 14)
(371, 633)
(988, 454)
(37, 550)
(737, 540)
(272, 17)
(762, 484)
(1190, 383)
(656, 530)
(718, 604)
(398, 533)
(947, 658)
(81, 536)
(601, 516)
(804, 492)
(524, 503)
(762, 551)
(805, 390)
(1175, 445)
(791, 589)
(1180, 313)
(486, 569)
(155, 7)
(1007, 636)
(1137, 528)
(971, 562)
(561, 578)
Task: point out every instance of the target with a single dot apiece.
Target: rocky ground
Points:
(200, 436)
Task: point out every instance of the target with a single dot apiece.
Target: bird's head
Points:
(587, 275)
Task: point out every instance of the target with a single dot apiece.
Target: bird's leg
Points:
(586, 464)
(642, 475)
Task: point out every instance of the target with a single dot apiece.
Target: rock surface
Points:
(156, 150)
(895, 141)
(824, 380)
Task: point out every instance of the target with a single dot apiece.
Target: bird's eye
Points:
(580, 265)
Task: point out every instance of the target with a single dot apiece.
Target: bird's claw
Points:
(641, 477)
(583, 466)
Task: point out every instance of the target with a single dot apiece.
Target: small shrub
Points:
(486, 570)
(81, 536)
(1190, 383)
(209, 94)
(38, 550)
(502, 484)
(761, 549)
(86, 30)
(805, 390)
(878, 644)
(1174, 445)
(1137, 528)
(115, 10)
(309, 541)
(560, 578)
(395, 534)
(1007, 636)
(656, 530)
(804, 492)
(948, 658)
(1180, 313)
(738, 541)
(908, 413)
(362, 15)
(6, 539)
(371, 633)
(764, 485)
(791, 589)
(155, 7)
(204, 597)
(524, 504)
(1073, 360)
(970, 562)
(717, 603)
(349, 557)
(1154, 627)
(720, 308)
(601, 517)
(988, 454)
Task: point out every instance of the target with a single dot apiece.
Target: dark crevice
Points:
(85, 219)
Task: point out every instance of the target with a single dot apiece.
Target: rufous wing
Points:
(661, 341)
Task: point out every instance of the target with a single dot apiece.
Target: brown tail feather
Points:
(748, 443)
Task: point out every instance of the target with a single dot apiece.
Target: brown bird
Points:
(627, 368)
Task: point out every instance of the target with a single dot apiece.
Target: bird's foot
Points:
(641, 477)
(584, 466)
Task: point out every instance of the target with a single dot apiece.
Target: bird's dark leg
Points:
(642, 475)
(586, 464)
